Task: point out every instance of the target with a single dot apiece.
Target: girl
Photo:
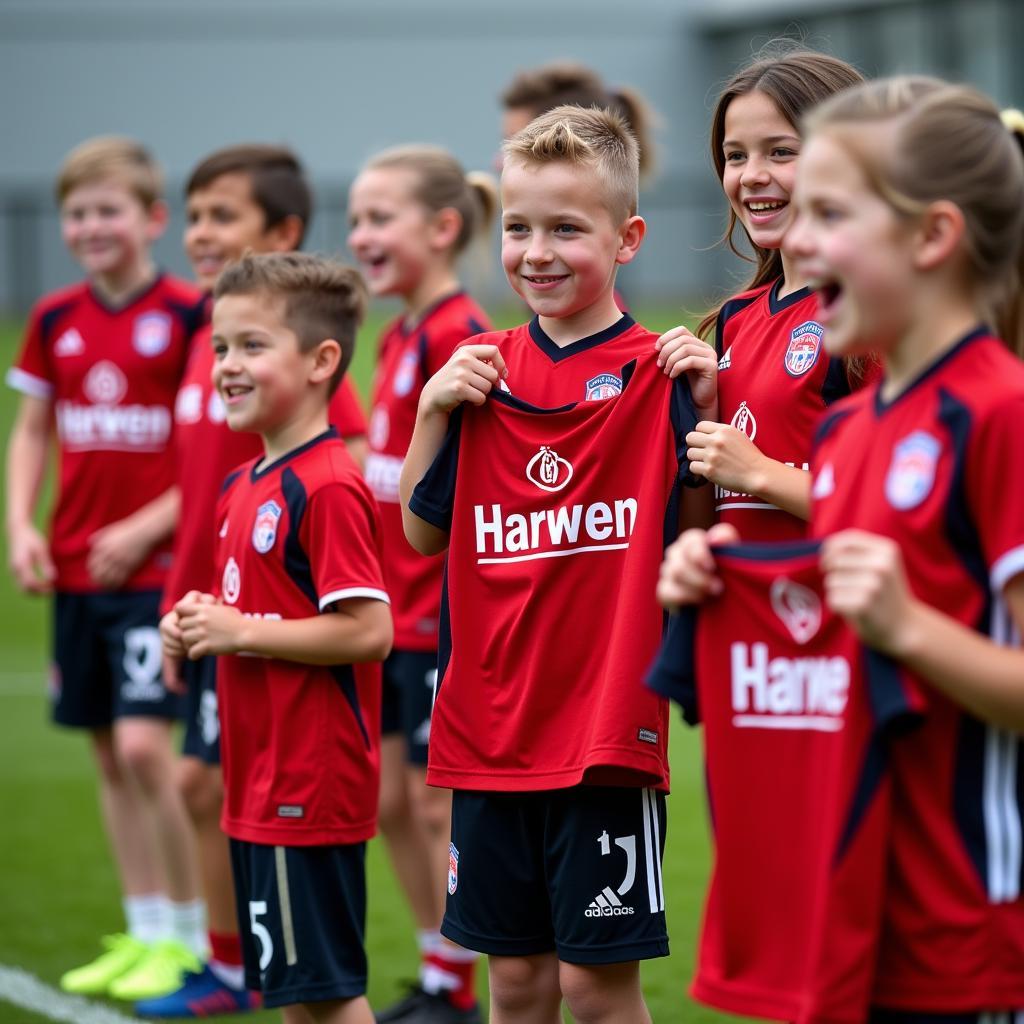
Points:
(772, 379)
(413, 210)
(911, 231)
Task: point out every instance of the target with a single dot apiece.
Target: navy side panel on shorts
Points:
(409, 679)
(202, 722)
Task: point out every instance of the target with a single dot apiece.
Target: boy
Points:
(102, 360)
(300, 612)
(569, 188)
(248, 197)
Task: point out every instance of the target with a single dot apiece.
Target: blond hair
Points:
(585, 137)
(947, 142)
(111, 156)
(322, 298)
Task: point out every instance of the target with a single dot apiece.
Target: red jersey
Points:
(800, 846)
(774, 380)
(407, 359)
(206, 451)
(300, 743)
(553, 518)
(936, 475)
(111, 376)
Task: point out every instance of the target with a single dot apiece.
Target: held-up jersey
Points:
(407, 359)
(111, 375)
(300, 743)
(557, 522)
(797, 720)
(206, 450)
(935, 469)
(774, 381)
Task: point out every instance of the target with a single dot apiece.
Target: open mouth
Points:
(234, 393)
(544, 279)
(764, 208)
(828, 293)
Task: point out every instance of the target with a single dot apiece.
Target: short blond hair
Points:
(588, 137)
(322, 298)
(112, 156)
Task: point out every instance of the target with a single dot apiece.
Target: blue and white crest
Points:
(604, 385)
(151, 333)
(405, 375)
(804, 346)
(264, 530)
(912, 470)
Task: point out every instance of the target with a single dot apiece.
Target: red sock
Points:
(226, 948)
(451, 970)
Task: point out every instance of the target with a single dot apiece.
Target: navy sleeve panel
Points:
(190, 317)
(892, 712)
(231, 478)
(837, 382)
(434, 495)
(672, 674)
(729, 309)
(51, 316)
(683, 414)
(296, 560)
(827, 424)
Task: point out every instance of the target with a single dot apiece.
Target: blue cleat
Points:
(202, 994)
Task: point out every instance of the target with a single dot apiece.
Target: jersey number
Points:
(628, 845)
(256, 909)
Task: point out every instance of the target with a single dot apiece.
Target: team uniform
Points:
(206, 450)
(556, 752)
(793, 910)
(407, 359)
(111, 375)
(300, 743)
(774, 381)
(934, 478)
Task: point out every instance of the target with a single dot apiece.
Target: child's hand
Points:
(688, 570)
(116, 551)
(173, 650)
(725, 456)
(679, 352)
(469, 376)
(209, 628)
(866, 584)
(30, 562)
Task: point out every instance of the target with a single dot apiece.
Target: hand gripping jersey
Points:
(935, 469)
(796, 725)
(111, 375)
(558, 521)
(206, 450)
(408, 358)
(774, 380)
(299, 743)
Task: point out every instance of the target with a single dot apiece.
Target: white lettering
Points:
(563, 522)
(113, 427)
(486, 528)
(382, 475)
(599, 518)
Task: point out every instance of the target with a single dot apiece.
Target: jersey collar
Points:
(130, 300)
(406, 328)
(556, 353)
(777, 305)
(259, 469)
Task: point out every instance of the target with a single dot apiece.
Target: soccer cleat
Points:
(94, 979)
(419, 1007)
(202, 994)
(160, 971)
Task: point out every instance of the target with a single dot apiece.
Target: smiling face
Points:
(760, 149)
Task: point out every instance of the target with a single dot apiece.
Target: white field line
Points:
(27, 991)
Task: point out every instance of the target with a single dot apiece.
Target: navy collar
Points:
(556, 353)
(260, 470)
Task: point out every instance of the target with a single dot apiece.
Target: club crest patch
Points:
(604, 385)
(151, 333)
(797, 606)
(231, 581)
(264, 530)
(803, 349)
(548, 470)
(453, 869)
(911, 473)
(405, 375)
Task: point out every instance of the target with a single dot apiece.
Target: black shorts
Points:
(913, 1017)
(202, 723)
(302, 918)
(577, 871)
(409, 679)
(107, 659)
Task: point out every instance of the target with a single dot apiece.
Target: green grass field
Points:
(57, 887)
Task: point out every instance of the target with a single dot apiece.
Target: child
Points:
(772, 381)
(569, 195)
(299, 615)
(413, 211)
(249, 197)
(103, 359)
(912, 242)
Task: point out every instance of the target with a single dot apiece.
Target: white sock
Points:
(188, 926)
(428, 939)
(232, 975)
(145, 916)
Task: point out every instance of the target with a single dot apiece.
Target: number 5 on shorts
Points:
(256, 908)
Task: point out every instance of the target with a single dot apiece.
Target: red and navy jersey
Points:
(774, 381)
(407, 359)
(796, 722)
(206, 450)
(111, 375)
(934, 470)
(557, 522)
(299, 743)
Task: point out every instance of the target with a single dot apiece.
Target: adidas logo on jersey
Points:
(70, 343)
(607, 904)
(726, 361)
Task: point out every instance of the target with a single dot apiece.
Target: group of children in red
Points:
(857, 677)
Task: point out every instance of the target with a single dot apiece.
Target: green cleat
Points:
(94, 979)
(159, 972)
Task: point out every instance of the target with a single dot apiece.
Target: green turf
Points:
(57, 889)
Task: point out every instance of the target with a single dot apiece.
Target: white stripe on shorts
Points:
(284, 899)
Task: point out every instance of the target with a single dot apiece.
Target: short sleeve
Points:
(345, 412)
(436, 347)
(434, 496)
(32, 372)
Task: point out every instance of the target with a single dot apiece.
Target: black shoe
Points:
(419, 1007)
